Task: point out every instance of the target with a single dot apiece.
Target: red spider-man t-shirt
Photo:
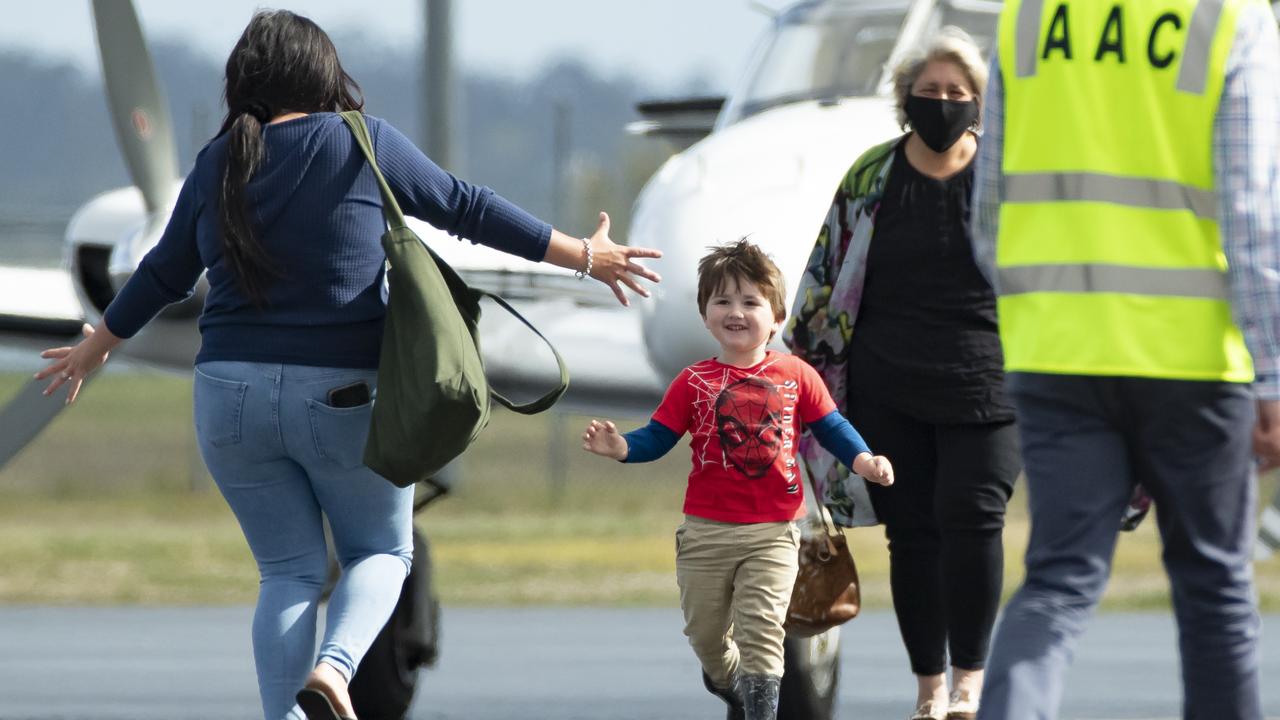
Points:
(744, 424)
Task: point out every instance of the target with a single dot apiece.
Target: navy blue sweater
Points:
(318, 214)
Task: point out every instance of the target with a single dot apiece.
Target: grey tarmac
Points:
(528, 663)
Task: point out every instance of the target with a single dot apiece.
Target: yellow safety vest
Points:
(1109, 254)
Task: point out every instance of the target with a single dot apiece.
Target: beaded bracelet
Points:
(582, 274)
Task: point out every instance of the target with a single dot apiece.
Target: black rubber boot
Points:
(759, 696)
(728, 695)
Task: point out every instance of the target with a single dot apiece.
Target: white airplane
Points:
(764, 162)
(813, 98)
(786, 136)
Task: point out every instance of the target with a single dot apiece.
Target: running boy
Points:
(736, 552)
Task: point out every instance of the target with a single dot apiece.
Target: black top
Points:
(925, 341)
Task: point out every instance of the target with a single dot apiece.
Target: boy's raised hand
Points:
(875, 468)
(602, 438)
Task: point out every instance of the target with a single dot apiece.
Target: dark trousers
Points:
(943, 518)
(1086, 441)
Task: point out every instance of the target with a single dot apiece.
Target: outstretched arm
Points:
(643, 445)
(474, 212)
(612, 264)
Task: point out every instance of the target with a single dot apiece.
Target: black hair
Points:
(282, 63)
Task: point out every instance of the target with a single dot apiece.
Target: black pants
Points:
(943, 518)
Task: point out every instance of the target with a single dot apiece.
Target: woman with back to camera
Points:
(284, 212)
(894, 313)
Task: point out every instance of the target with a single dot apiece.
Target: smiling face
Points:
(740, 317)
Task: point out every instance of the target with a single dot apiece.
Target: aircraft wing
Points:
(37, 304)
(609, 374)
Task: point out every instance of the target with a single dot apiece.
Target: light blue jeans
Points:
(282, 457)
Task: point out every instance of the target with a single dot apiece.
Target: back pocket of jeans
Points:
(340, 433)
(219, 404)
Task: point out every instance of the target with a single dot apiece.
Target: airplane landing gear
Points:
(811, 677)
(383, 686)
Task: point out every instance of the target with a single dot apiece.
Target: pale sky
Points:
(660, 42)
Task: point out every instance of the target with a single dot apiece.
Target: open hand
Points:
(875, 469)
(615, 265)
(602, 438)
(71, 365)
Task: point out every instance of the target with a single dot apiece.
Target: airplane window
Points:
(833, 50)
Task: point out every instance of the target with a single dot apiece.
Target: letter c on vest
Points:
(1166, 60)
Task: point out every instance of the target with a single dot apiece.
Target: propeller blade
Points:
(138, 110)
(26, 415)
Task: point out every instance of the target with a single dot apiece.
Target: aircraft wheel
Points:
(383, 686)
(811, 677)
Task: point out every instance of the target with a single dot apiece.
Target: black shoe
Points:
(316, 705)
(759, 696)
(729, 697)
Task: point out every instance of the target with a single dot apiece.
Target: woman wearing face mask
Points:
(893, 312)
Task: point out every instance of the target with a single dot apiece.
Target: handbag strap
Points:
(824, 514)
(394, 217)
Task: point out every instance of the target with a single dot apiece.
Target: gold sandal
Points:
(963, 706)
(929, 710)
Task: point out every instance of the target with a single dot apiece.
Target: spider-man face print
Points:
(749, 423)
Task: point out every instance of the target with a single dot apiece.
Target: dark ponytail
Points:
(282, 63)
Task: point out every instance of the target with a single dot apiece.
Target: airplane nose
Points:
(674, 333)
(675, 337)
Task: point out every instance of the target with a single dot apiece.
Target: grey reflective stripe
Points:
(1098, 187)
(1097, 278)
(1194, 74)
(1027, 50)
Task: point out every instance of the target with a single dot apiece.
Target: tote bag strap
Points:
(395, 220)
(547, 400)
(390, 208)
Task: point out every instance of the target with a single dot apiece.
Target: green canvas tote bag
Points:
(433, 398)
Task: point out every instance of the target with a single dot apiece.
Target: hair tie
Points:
(258, 110)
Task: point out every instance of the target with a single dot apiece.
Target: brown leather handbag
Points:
(826, 592)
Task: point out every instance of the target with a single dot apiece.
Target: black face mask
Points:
(940, 123)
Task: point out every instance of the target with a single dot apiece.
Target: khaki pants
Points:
(735, 584)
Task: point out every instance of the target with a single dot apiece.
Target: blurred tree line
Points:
(59, 149)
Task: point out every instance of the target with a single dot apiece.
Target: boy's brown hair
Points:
(741, 261)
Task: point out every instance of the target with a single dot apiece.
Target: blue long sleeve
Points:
(834, 433)
(474, 212)
(166, 274)
(650, 442)
(317, 215)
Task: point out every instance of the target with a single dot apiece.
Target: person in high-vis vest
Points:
(1126, 206)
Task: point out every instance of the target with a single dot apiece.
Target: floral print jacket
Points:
(822, 320)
